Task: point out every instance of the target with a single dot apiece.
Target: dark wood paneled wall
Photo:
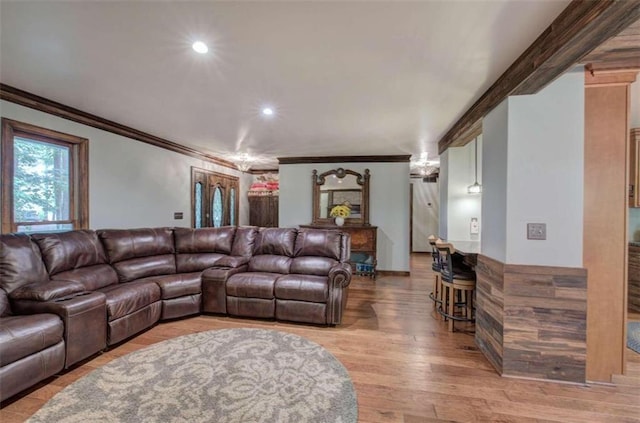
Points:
(531, 321)
(545, 324)
(634, 278)
(490, 309)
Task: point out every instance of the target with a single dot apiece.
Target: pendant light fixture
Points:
(475, 188)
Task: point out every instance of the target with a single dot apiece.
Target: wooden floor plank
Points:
(405, 365)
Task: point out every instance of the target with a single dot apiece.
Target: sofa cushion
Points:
(125, 244)
(244, 241)
(143, 267)
(276, 241)
(204, 240)
(5, 307)
(303, 288)
(90, 277)
(47, 291)
(139, 253)
(181, 284)
(252, 285)
(20, 262)
(126, 298)
(270, 263)
(196, 262)
(70, 250)
(312, 265)
(21, 336)
(199, 249)
(319, 243)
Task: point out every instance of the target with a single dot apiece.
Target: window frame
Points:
(78, 173)
(210, 180)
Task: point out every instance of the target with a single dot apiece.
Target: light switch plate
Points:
(536, 231)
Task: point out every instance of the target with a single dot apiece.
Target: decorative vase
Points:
(339, 220)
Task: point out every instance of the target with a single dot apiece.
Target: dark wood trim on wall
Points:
(531, 321)
(261, 171)
(23, 98)
(578, 30)
(344, 159)
(392, 273)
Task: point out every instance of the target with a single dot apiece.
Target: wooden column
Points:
(606, 179)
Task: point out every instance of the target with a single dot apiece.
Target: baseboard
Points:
(392, 273)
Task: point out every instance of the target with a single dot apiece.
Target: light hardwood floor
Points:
(405, 365)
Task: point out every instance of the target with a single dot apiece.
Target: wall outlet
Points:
(536, 231)
(178, 215)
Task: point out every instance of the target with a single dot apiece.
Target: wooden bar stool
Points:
(436, 293)
(458, 286)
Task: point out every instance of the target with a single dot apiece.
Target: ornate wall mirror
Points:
(339, 187)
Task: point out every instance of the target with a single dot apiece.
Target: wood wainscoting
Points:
(490, 309)
(532, 320)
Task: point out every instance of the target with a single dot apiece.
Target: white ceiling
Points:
(345, 78)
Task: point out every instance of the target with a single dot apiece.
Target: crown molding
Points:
(344, 159)
(24, 98)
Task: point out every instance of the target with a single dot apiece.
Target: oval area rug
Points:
(230, 375)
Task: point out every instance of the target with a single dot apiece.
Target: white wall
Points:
(635, 105)
(426, 204)
(634, 224)
(443, 188)
(131, 184)
(389, 204)
(544, 174)
(463, 206)
(494, 190)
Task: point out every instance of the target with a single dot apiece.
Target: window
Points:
(44, 179)
(214, 199)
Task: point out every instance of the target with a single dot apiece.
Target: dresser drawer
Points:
(362, 239)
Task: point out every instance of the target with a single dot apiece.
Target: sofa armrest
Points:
(339, 280)
(48, 291)
(232, 261)
(340, 275)
(85, 321)
(214, 288)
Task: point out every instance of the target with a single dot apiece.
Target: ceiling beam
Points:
(579, 29)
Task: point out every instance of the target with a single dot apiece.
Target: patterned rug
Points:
(232, 375)
(633, 336)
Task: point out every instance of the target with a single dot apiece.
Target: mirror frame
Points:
(362, 179)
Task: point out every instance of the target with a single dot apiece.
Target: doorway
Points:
(424, 207)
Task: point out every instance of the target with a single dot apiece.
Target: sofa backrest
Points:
(76, 256)
(5, 307)
(139, 253)
(273, 250)
(244, 241)
(20, 262)
(317, 251)
(199, 249)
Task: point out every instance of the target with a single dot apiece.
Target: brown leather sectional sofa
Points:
(66, 296)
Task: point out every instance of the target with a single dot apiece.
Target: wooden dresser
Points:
(263, 210)
(364, 253)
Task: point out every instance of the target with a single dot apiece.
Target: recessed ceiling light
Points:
(267, 111)
(200, 47)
